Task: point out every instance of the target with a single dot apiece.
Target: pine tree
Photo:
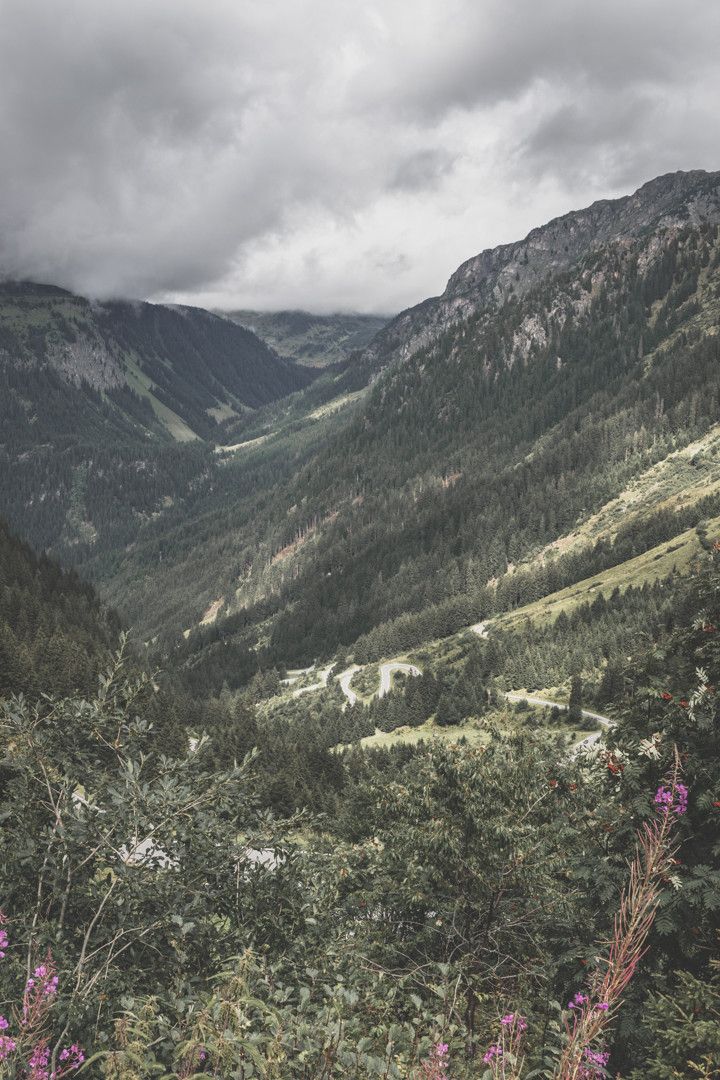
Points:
(576, 699)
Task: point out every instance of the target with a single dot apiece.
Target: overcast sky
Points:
(329, 154)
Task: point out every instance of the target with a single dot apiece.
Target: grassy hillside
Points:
(680, 556)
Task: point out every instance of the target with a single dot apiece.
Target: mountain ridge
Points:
(495, 274)
(97, 401)
(572, 389)
(317, 340)
(165, 353)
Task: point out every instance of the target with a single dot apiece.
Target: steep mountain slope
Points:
(54, 634)
(97, 400)
(317, 340)
(190, 369)
(488, 445)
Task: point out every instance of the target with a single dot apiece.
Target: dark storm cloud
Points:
(470, 54)
(326, 153)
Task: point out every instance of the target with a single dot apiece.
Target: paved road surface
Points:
(386, 672)
(324, 675)
(345, 678)
(584, 743)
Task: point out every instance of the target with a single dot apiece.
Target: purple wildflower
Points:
(578, 1001)
(513, 1018)
(602, 1006)
(7, 1045)
(441, 1049)
(596, 1057)
(595, 1060)
(38, 1063)
(492, 1052)
(4, 1025)
(665, 799)
(74, 1056)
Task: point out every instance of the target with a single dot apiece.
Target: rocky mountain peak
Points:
(489, 278)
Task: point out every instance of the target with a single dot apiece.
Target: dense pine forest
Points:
(388, 919)
(54, 635)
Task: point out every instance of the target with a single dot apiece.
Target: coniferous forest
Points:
(205, 907)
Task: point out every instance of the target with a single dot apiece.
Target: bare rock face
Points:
(486, 281)
(86, 360)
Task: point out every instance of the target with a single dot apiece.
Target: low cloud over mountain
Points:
(225, 154)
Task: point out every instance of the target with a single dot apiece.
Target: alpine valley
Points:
(413, 615)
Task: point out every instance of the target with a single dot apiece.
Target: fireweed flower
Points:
(665, 800)
(578, 1001)
(38, 1063)
(511, 1018)
(3, 1024)
(433, 1068)
(7, 1045)
(75, 1056)
(492, 1052)
(593, 1059)
(682, 796)
(602, 1006)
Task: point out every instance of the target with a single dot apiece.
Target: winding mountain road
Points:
(324, 675)
(481, 629)
(598, 717)
(387, 670)
(345, 678)
(386, 673)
